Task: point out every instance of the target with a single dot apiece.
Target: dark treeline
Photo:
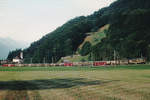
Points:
(128, 34)
(13, 54)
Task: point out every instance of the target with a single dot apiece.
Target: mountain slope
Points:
(128, 34)
(95, 37)
(7, 45)
(3, 51)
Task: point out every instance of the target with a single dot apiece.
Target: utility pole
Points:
(44, 60)
(31, 60)
(114, 57)
(48, 56)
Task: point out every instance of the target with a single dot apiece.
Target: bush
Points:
(86, 49)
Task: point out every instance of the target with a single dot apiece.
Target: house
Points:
(17, 60)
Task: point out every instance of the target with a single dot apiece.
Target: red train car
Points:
(8, 65)
(103, 63)
(68, 64)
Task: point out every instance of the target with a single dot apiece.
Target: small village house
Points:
(18, 59)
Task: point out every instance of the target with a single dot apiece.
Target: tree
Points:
(86, 48)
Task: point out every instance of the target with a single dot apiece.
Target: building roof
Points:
(17, 57)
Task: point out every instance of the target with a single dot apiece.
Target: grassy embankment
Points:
(93, 38)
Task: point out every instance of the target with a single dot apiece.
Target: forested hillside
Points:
(128, 34)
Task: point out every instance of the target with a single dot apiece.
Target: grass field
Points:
(75, 83)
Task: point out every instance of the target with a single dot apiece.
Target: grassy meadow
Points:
(75, 83)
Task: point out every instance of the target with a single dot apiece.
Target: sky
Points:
(29, 20)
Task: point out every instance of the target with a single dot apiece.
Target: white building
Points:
(21, 55)
(17, 60)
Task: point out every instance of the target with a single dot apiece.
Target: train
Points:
(90, 63)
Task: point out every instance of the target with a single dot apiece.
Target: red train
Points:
(8, 65)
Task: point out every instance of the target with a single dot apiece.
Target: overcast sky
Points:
(29, 20)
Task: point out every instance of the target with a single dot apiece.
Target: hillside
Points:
(128, 34)
(95, 37)
(4, 51)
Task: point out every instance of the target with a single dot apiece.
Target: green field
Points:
(75, 83)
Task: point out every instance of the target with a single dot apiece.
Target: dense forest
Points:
(128, 35)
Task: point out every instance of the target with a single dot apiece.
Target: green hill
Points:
(96, 37)
(128, 34)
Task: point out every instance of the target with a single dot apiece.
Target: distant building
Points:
(21, 55)
(4, 61)
(18, 59)
(66, 61)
